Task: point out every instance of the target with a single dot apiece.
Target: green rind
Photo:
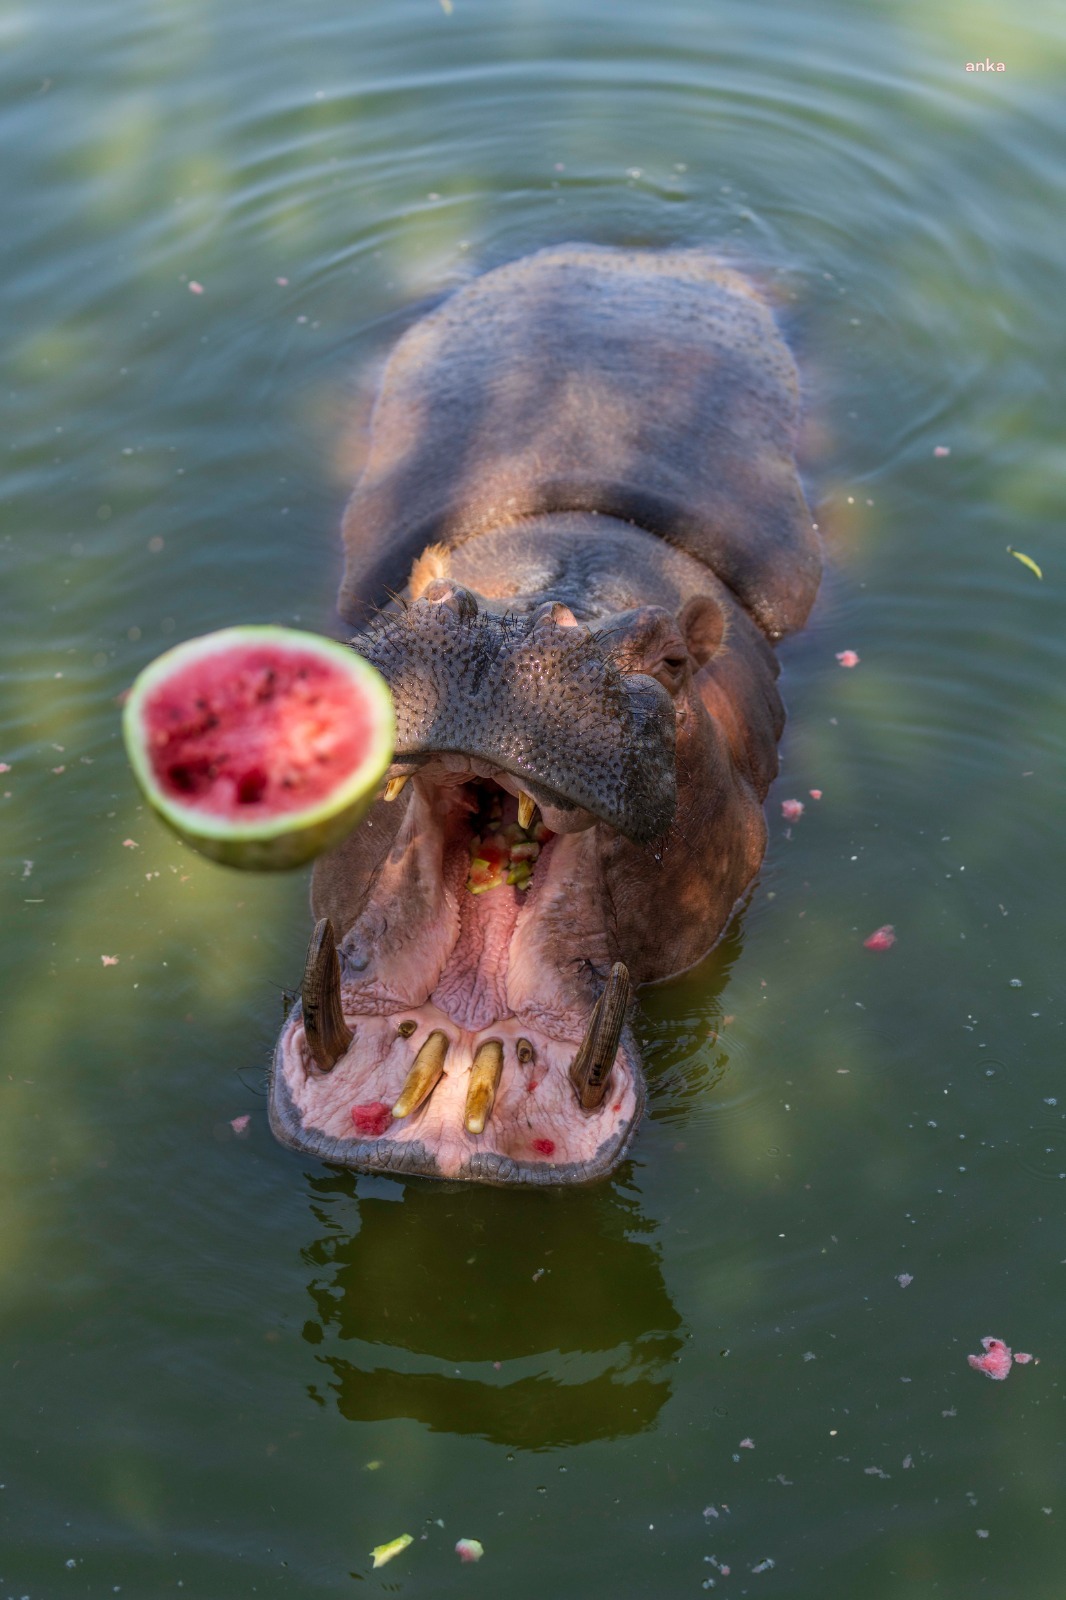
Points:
(300, 835)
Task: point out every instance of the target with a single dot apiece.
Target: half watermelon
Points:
(260, 746)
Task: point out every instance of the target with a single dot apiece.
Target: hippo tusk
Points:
(590, 1071)
(394, 785)
(424, 1075)
(527, 810)
(328, 1035)
(484, 1081)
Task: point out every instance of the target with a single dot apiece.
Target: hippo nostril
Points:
(442, 592)
(554, 611)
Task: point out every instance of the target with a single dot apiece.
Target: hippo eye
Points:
(671, 671)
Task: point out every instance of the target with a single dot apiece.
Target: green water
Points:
(228, 1372)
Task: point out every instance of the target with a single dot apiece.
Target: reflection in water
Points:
(532, 1321)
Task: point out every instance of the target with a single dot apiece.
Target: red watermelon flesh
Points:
(255, 731)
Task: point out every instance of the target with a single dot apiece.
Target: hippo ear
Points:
(702, 622)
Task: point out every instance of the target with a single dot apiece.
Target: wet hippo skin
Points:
(578, 530)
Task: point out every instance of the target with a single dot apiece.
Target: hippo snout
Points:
(537, 696)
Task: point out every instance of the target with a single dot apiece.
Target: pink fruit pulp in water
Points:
(255, 731)
(996, 1361)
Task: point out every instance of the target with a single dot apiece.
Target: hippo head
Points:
(573, 810)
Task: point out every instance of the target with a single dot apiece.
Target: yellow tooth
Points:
(526, 810)
(484, 1081)
(423, 1076)
(394, 785)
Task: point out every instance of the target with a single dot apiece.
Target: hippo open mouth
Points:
(580, 510)
(465, 1083)
(472, 1023)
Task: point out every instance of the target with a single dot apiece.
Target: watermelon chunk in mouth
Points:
(502, 853)
(480, 949)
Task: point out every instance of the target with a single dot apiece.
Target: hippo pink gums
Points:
(581, 505)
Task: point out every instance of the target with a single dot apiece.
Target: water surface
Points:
(233, 1372)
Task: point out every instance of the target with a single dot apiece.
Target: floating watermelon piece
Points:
(260, 746)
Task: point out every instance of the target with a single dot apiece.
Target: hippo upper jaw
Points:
(489, 988)
(537, 697)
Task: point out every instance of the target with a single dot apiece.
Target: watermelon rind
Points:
(296, 837)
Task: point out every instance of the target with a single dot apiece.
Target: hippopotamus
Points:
(578, 532)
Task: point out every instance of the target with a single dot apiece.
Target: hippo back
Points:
(652, 387)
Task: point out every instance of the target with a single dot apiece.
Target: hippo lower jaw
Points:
(447, 994)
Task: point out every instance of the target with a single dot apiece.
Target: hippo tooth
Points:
(527, 808)
(525, 1052)
(394, 785)
(328, 1035)
(423, 1076)
(590, 1071)
(484, 1081)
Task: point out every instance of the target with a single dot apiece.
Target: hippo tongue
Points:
(535, 698)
